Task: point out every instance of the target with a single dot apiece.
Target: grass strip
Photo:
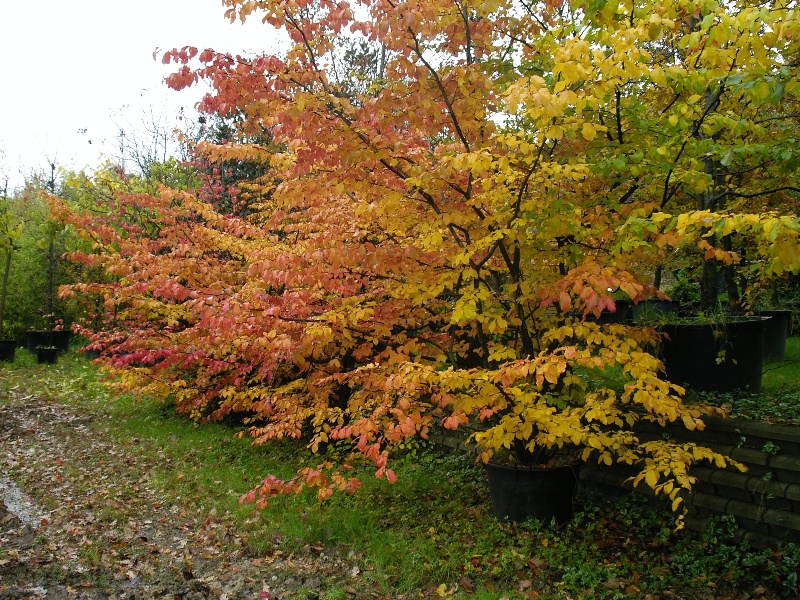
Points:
(431, 533)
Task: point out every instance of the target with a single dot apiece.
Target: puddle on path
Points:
(26, 510)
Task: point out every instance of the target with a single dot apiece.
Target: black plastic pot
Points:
(7, 349)
(653, 310)
(793, 306)
(715, 357)
(57, 338)
(34, 339)
(621, 315)
(47, 356)
(519, 493)
(776, 329)
(91, 354)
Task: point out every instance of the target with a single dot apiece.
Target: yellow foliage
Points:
(442, 243)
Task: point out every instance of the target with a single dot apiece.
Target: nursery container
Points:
(719, 357)
(776, 329)
(519, 493)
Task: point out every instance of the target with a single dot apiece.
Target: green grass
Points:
(432, 528)
(785, 374)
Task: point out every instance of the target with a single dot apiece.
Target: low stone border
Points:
(765, 500)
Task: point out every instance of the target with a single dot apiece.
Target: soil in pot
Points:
(520, 493)
(47, 356)
(776, 329)
(715, 357)
(7, 349)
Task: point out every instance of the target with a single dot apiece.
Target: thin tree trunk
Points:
(707, 201)
(730, 280)
(657, 277)
(4, 290)
(50, 269)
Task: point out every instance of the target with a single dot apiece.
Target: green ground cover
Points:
(779, 400)
(432, 532)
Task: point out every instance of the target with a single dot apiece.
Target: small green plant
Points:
(720, 553)
(685, 290)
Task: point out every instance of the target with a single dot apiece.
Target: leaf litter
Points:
(79, 519)
(85, 516)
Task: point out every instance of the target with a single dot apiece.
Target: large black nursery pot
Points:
(776, 329)
(715, 357)
(47, 356)
(520, 493)
(58, 338)
(7, 349)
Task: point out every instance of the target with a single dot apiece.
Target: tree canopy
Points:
(450, 192)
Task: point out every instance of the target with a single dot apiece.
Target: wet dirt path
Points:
(79, 519)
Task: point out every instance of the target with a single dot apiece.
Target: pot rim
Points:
(523, 468)
(738, 321)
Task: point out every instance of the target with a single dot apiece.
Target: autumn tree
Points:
(440, 228)
(232, 186)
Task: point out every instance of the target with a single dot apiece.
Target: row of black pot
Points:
(44, 355)
(775, 331)
(46, 345)
(714, 356)
(48, 339)
(704, 356)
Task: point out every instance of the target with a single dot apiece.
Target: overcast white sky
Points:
(75, 70)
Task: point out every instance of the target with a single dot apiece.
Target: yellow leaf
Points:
(654, 31)
(658, 76)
